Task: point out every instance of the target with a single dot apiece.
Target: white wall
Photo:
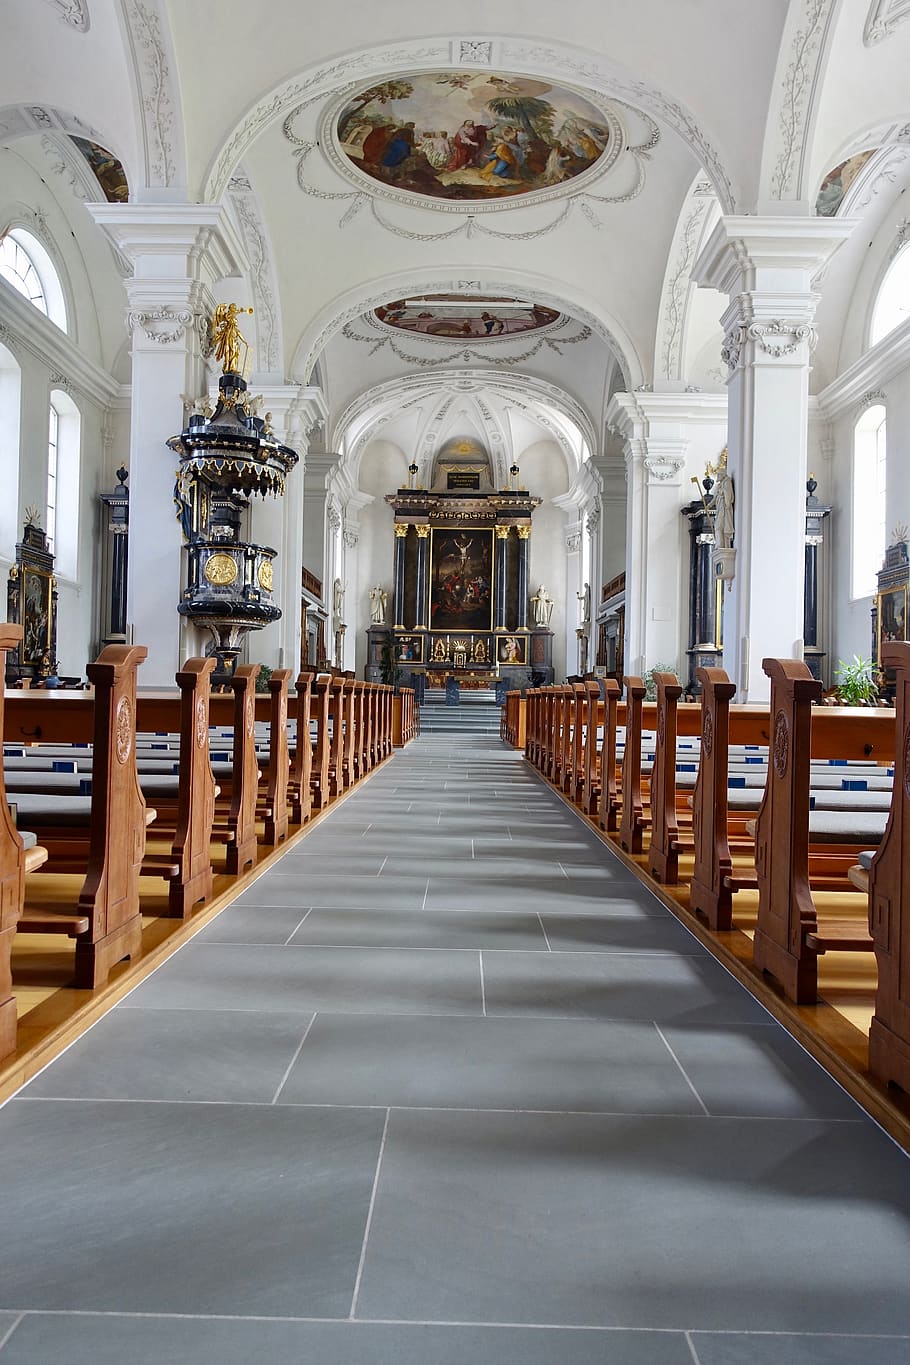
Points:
(544, 474)
(383, 469)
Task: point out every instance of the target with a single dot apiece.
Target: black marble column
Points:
(524, 546)
(815, 516)
(401, 533)
(423, 560)
(117, 504)
(702, 649)
(500, 572)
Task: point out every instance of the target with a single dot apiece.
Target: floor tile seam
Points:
(295, 930)
(446, 1014)
(682, 1069)
(655, 1114)
(646, 954)
(292, 1062)
(370, 1210)
(11, 1329)
(605, 1330)
(483, 988)
(692, 1351)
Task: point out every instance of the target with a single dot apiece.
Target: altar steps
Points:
(476, 714)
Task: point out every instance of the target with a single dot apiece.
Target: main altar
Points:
(460, 600)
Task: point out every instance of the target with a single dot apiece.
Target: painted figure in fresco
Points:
(399, 147)
(468, 145)
(437, 148)
(378, 602)
(542, 604)
(503, 160)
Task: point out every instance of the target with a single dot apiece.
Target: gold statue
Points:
(227, 338)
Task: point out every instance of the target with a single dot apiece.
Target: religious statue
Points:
(338, 600)
(227, 338)
(722, 508)
(584, 604)
(542, 603)
(378, 602)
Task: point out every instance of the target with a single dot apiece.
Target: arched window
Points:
(892, 306)
(869, 471)
(64, 437)
(27, 267)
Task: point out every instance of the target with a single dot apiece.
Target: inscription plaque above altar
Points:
(463, 481)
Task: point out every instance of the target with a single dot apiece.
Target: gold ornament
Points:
(227, 338)
(266, 575)
(220, 569)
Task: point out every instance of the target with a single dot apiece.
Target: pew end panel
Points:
(889, 898)
(786, 910)
(632, 824)
(710, 895)
(12, 875)
(663, 851)
(110, 893)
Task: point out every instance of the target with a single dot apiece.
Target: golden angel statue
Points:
(227, 339)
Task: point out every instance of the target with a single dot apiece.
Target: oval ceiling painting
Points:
(468, 135)
(465, 316)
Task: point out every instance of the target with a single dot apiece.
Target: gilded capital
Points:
(524, 532)
(422, 531)
(502, 532)
(401, 529)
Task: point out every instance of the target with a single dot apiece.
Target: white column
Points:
(316, 535)
(766, 265)
(294, 410)
(178, 251)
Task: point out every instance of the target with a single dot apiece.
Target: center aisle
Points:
(448, 1086)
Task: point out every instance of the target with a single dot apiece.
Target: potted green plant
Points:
(856, 684)
(650, 684)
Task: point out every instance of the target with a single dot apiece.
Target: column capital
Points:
(164, 242)
(768, 253)
(422, 529)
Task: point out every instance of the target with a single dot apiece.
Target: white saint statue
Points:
(584, 604)
(542, 604)
(378, 602)
(723, 510)
(338, 600)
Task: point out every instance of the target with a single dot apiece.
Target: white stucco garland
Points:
(677, 282)
(797, 87)
(454, 350)
(148, 27)
(74, 13)
(373, 195)
(552, 62)
(883, 19)
(262, 271)
(373, 296)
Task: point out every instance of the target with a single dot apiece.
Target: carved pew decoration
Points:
(609, 795)
(14, 862)
(299, 795)
(889, 898)
(573, 777)
(710, 893)
(663, 853)
(241, 852)
(633, 819)
(110, 892)
(276, 797)
(192, 845)
(786, 911)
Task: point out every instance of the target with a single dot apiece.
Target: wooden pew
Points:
(15, 861)
(241, 820)
(786, 911)
(608, 800)
(276, 808)
(663, 853)
(633, 820)
(593, 719)
(192, 846)
(889, 898)
(110, 892)
(299, 794)
(322, 700)
(710, 891)
(573, 774)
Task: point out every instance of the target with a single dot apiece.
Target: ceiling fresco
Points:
(838, 181)
(463, 317)
(472, 136)
(106, 168)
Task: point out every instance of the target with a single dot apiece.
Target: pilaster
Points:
(765, 265)
(178, 252)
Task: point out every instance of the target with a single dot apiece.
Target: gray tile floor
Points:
(449, 1085)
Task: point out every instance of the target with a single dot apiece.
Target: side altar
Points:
(460, 604)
